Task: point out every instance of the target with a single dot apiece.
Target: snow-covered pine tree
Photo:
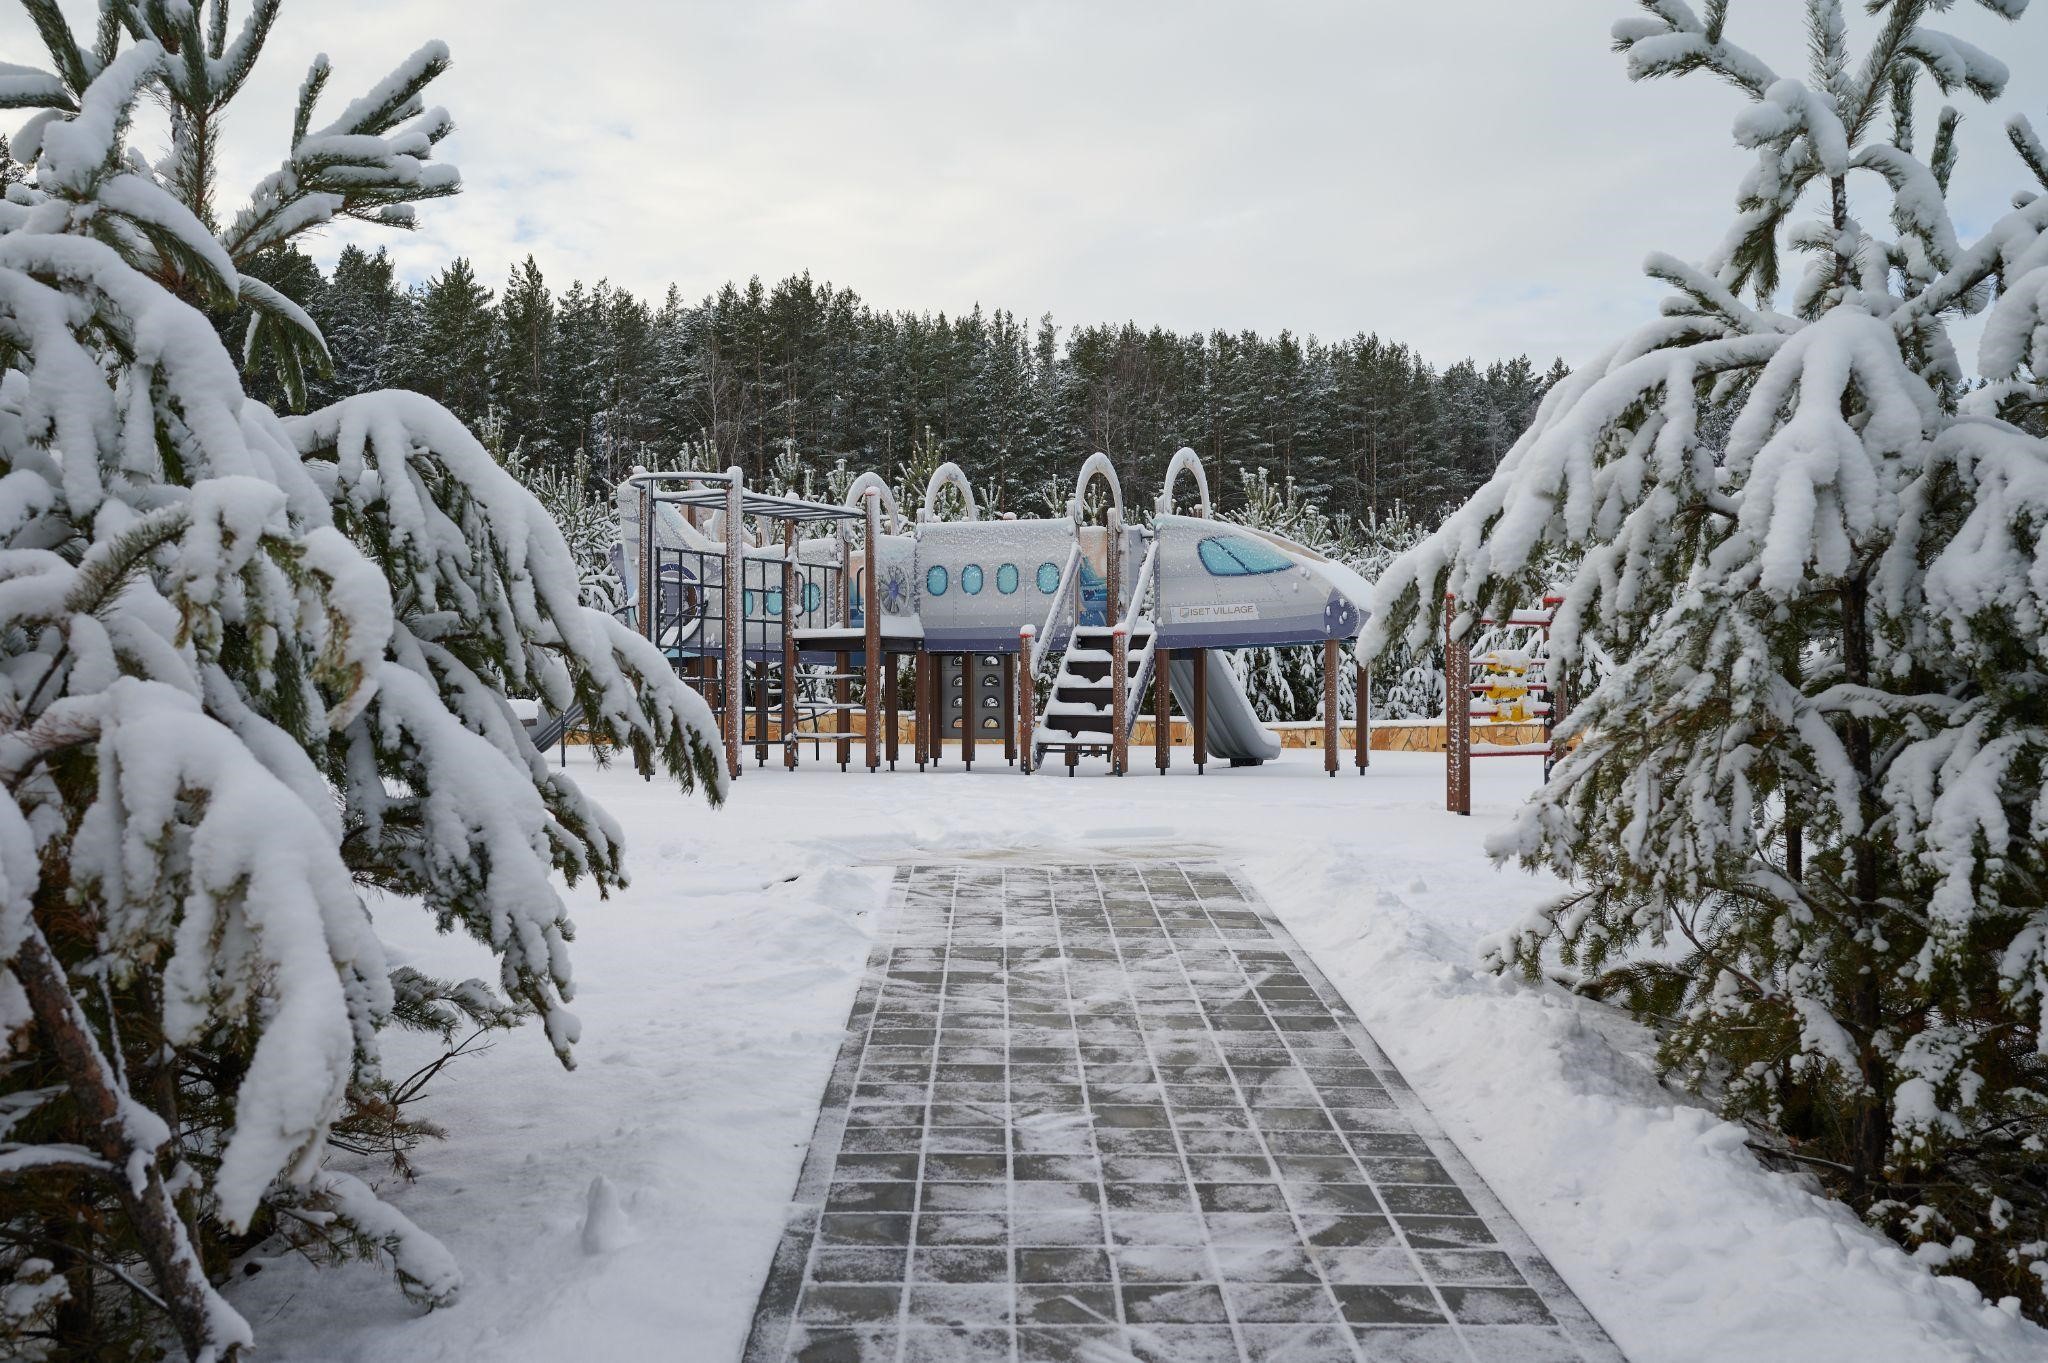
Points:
(1807, 819)
(589, 524)
(1407, 683)
(449, 356)
(247, 666)
(359, 314)
(521, 358)
(925, 455)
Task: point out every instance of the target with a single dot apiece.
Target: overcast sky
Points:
(1469, 176)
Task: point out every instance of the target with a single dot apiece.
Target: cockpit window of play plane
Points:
(1240, 557)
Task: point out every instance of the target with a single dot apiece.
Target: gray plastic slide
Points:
(1234, 731)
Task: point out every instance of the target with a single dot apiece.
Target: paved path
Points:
(1097, 1114)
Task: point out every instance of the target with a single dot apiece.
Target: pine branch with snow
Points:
(1806, 816)
(249, 666)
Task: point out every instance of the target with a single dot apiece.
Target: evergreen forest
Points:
(800, 375)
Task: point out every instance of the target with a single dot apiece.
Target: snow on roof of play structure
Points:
(712, 497)
(994, 541)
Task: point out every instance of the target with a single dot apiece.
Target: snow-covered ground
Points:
(713, 995)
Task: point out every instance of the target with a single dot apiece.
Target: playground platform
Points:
(1399, 735)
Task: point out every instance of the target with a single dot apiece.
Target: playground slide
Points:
(1234, 730)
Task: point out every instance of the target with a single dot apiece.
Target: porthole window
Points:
(970, 579)
(813, 597)
(747, 602)
(1048, 578)
(1007, 578)
(1236, 557)
(935, 580)
(774, 602)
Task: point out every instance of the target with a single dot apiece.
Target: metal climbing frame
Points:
(686, 597)
(1463, 692)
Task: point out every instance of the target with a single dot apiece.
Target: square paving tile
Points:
(1114, 1111)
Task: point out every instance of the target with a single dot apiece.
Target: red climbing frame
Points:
(1460, 687)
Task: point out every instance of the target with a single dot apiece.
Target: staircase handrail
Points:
(1146, 571)
(1134, 700)
(1125, 698)
(1060, 616)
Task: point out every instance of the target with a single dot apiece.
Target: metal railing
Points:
(1147, 581)
(1061, 616)
(1124, 696)
(691, 587)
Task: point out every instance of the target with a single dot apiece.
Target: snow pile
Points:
(722, 982)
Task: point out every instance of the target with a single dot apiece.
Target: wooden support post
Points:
(646, 564)
(969, 721)
(871, 616)
(733, 673)
(1119, 699)
(1200, 718)
(1330, 715)
(1361, 724)
(1009, 710)
(790, 663)
(1162, 706)
(842, 662)
(891, 683)
(1560, 708)
(1027, 702)
(920, 706)
(1457, 722)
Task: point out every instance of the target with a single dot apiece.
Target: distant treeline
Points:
(753, 372)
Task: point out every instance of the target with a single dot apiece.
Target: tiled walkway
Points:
(1113, 1112)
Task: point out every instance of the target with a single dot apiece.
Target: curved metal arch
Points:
(1097, 466)
(874, 480)
(1184, 460)
(948, 473)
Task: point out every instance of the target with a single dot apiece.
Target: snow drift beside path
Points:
(715, 992)
(1678, 1240)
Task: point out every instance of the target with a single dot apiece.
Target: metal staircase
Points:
(1104, 675)
(1081, 717)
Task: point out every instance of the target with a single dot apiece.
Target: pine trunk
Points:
(146, 1201)
(1872, 1133)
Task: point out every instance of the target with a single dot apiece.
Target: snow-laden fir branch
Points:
(1815, 557)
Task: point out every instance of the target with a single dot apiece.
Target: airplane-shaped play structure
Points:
(777, 608)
